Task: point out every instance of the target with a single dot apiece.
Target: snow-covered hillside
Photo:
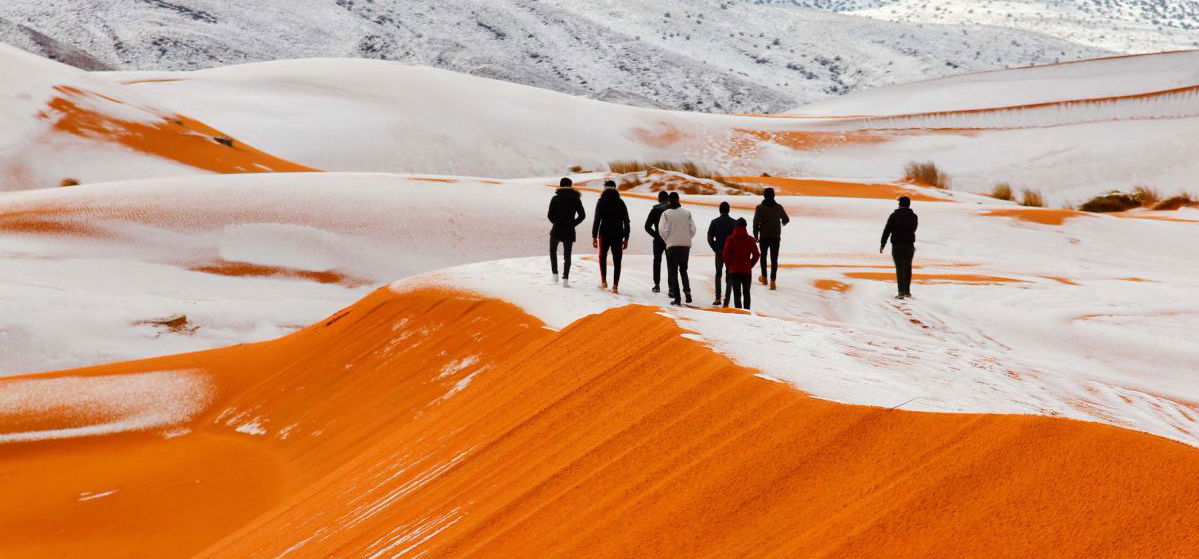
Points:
(1104, 124)
(717, 56)
(1117, 25)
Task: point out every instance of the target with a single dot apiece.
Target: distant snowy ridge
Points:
(712, 56)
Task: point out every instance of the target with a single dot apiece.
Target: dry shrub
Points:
(689, 168)
(686, 167)
(69, 182)
(1174, 202)
(926, 174)
(1111, 202)
(1146, 196)
(1002, 191)
(1032, 198)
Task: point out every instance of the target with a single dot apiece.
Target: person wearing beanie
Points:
(651, 227)
(566, 212)
(610, 233)
(901, 229)
(677, 229)
(769, 220)
(740, 254)
(718, 231)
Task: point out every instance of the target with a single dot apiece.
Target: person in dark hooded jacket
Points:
(718, 231)
(769, 219)
(651, 227)
(610, 232)
(901, 229)
(565, 213)
(740, 255)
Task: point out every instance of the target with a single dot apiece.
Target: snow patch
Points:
(102, 405)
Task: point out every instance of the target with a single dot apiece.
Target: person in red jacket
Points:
(740, 255)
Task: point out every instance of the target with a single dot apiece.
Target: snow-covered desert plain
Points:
(303, 309)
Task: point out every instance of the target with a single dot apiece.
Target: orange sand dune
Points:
(835, 189)
(80, 112)
(935, 278)
(444, 425)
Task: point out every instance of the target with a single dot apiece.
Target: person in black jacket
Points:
(651, 227)
(718, 232)
(901, 229)
(566, 212)
(610, 232)
(769, 219)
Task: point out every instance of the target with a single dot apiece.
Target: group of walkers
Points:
(672, 229)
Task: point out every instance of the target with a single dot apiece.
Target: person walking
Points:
(740, 254)
(610, 233)
(901, 229)
(651, 227)
(677, 229)
(565, 213)
(719, 231)
(769, 219)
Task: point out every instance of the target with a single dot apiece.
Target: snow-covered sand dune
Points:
(1006, 328)
(1071, 131)
(58, 123)
(422, 386)
(1118, 76)
(444, 424)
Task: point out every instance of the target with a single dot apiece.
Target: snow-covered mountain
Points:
(719, 56)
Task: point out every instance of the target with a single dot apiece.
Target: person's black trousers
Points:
(739, 284)
(903, 253)
(659, 250)
(721, 277)
(770, 246)
(566, 248)
(617, 249)
(676, 265)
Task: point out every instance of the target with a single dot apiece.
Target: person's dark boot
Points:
(687, 296)
(657, 289)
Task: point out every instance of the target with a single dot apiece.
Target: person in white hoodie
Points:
(677, 229)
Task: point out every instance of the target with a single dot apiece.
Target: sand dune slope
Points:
(437, 424)
(59, 123)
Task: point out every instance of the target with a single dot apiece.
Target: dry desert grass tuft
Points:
(1003, 191)
(1175, 202)
(926, 174)
(1032, 198)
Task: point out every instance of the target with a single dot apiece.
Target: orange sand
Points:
(432, 179)
(588, 443)
(1036, 215)
(834, 189)
(807, 140)
(173, 137)
(935, 278)
(245, 269)
(52, 221)
(1061, 280)
(832, 285)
